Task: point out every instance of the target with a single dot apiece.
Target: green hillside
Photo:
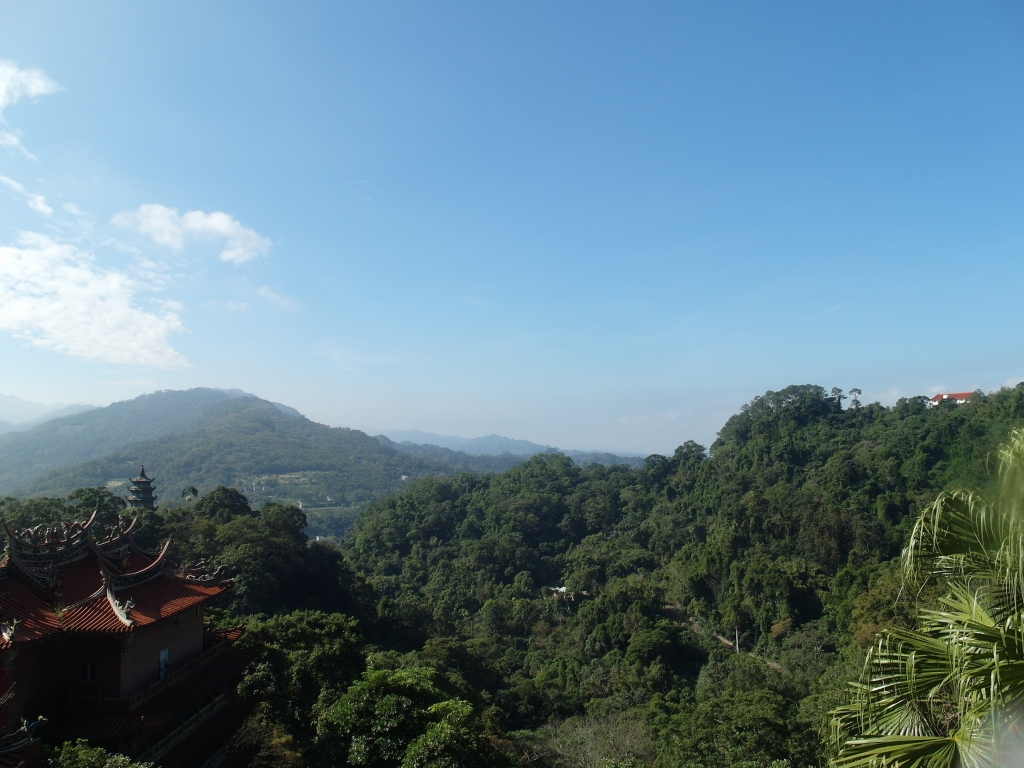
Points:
(209, 437)
(270, 454)
(245, 441)
(27, 456)
(782, 534)
(561, 615)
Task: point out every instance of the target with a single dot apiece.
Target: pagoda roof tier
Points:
(142, 478)
(80, 585)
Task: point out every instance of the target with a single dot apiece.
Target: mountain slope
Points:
(494, 445)
(242, 441)
(15, 410)
(456, 460)
(269, 454)
(28, 456)
(209, 437)
(565, 592)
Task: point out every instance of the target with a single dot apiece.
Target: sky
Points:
(587, 224)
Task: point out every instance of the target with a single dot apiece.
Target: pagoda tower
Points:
(140, 492)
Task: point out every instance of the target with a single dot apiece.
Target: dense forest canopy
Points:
(588, 616)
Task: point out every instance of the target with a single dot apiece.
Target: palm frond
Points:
(950, 694)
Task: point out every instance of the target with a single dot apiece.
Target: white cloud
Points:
(56, 298)
(35, 202)
(269, 295)
(166, 227)
(73, 209)
(16, 84)
(11, 139)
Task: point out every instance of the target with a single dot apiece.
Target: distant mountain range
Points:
(210, 437)
(495, 445)
(17, 415)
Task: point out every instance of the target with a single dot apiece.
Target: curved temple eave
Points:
(154, 569)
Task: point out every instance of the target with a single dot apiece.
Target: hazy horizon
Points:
(599, 227)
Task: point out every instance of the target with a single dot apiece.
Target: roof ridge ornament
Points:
(121, 609)
(50, 539)
(8, 628)
(199, 572)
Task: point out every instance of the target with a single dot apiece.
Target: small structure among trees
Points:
(956, 397)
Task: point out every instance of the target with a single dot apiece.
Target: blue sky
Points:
(592, 225)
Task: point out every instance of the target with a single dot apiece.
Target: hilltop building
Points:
(106, 639)
(957, 397)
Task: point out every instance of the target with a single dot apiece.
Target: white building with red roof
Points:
(957, 397)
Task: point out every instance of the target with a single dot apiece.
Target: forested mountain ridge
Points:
(493, 445)
(783, 531)
(575, 616)
(211, 437)
(244, 442)
(28, 456)
(272, 453)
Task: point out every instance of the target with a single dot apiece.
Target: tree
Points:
(79, 754)
(855, 394)
(222, 505)
(298, 658)
(400, 718)
(189, 493)
(950, 692)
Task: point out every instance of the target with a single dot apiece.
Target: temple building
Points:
(140, 492)
(106, 640)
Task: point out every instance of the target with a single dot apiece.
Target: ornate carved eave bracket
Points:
(118, 538)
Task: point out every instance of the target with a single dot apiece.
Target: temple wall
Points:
(104, 653)
(32, 673)
(140, 665)
(51, 671)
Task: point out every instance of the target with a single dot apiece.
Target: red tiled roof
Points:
(952, 396)
(78, 592)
